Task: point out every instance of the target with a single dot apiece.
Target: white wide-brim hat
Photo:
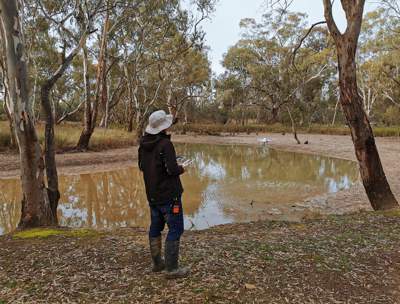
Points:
(159, 121)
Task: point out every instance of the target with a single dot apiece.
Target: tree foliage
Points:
(263, 77)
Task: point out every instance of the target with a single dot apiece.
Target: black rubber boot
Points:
(155, 250)
(172, 261)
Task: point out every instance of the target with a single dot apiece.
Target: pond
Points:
(225, 184)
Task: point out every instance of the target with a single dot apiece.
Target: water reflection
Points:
(226, 184)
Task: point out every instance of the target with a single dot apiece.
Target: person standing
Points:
(161, 172)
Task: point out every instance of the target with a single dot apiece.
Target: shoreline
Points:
(72, 163)
(334, 146)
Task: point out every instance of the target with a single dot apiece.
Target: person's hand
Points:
(181, 169)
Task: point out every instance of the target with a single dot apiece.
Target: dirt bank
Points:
(329, 145)
(74, 163)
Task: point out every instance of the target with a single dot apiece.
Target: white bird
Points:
(264, 140)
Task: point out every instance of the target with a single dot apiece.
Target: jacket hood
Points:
(149, 141)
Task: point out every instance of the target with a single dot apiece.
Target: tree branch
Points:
(333, 29)
(66, 62)
(304, 38)
(354, 16)
(68, 114)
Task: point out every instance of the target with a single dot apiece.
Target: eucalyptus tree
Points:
(36, 208)
(229, 95)
(92, 99)
(150, 28)
(389, 59)
(372, 173)
(69, 24)
(346, 45)
(186, 80)
(261, 63)
(157, 47)
(3, 87)
(116, 88)
(237, 81)
(379, 63)
(58, 24)
(115, 84)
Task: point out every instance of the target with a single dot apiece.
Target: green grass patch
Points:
(391, 213)
(41, 233)
(11, 285)
(198, 290)
(387, 131)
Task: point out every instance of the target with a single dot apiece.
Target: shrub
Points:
(392, 116)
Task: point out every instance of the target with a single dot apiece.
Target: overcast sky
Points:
(223, 30)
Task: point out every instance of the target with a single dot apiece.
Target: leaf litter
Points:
(338, 259)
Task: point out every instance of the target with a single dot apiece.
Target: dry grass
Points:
(339, 259)
(215, 129)
(67, 136)
(4, 135)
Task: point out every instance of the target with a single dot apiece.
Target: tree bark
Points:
(294, 130)
(140, 130)
(13, 141)
(3, 75)
(36, 210)
(130, 119)
(104, 84)
(91, 110)
(49, 147)
(274, 113)
(84, 139)
(132, 99)
(49, 150)
(372, 173)
(106, 108)
(113, 101)
(335, 114)
(49, 115)
(105, 117)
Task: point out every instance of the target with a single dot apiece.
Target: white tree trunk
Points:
(36, 209)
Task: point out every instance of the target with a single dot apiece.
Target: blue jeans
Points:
(165, 214)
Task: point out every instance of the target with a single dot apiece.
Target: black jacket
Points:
(157, 161)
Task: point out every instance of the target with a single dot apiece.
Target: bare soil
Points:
(76, 162)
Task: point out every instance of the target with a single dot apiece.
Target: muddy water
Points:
(225, 184)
